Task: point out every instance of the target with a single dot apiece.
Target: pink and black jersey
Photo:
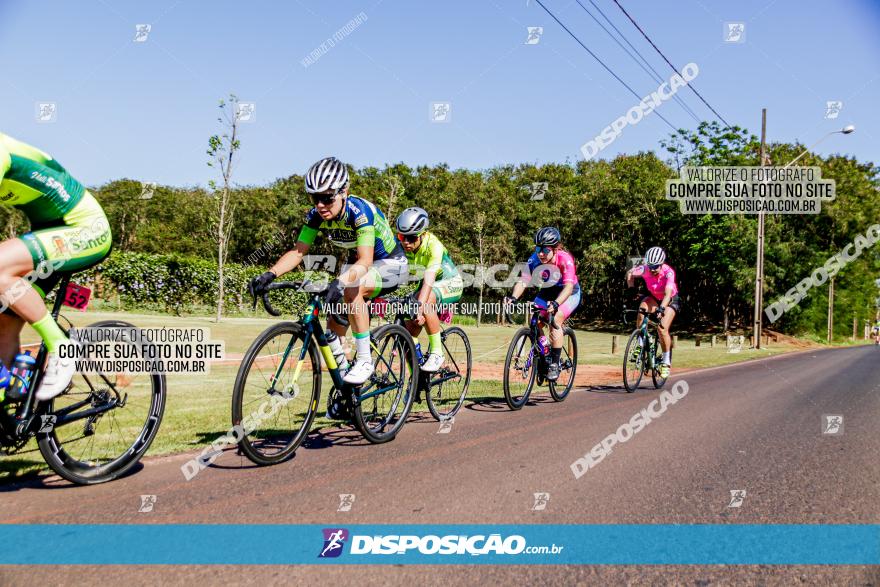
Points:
(551, 282)
(656, 284)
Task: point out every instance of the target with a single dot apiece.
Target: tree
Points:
(221, 150)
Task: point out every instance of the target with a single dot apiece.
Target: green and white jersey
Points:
(35, 183)
(432, 255)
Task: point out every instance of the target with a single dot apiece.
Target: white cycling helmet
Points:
(655, 256)
(413, 221)
(327, 174)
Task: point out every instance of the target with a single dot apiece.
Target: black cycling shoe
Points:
(553, 372)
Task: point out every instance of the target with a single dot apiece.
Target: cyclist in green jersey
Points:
(376, 264)
(69, 232)
(441, 282)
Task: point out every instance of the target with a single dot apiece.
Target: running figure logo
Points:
(147, 503)
(832, 424)
(833, 108)
(47, 112)
(48, 423)
(538, 190)
(541, 501)
(534, 35)
(334, 540)
(734, 32)
(441, 111)
(346, 501)
(737, 496)
(141, 32)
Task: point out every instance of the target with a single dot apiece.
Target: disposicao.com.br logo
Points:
(430, 544)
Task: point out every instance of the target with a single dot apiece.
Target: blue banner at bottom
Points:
(266, 544)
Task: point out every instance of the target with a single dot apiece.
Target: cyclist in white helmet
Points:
(376, 263)
(440, 284)
(662, 295)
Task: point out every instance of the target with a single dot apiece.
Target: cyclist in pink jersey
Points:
(560, 291)
(662, 295)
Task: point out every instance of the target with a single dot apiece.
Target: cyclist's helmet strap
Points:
(413, 221)
(547, 237)
(655, 256)
(327, 174)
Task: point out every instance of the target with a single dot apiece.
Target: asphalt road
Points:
(755, 426)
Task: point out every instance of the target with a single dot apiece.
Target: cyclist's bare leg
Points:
(18, 295)
(432, 321)
(663, 329)
(650, 304)
(10, 343)
(17, 262)
(556, 334)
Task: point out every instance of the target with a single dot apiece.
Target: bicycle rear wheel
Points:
(275, 396)
(106, 445)
(519, 369)
(384, 401)
(560, 388)
(449, 385)
(634, 361)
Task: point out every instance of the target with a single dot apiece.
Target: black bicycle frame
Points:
(314, 331)
(400, 319)
(15, 429)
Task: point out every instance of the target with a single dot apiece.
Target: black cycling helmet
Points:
(547, 237)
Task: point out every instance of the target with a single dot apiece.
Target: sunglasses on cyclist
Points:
(543, 250)
(326, 199)
(410, 238)
(655, 267)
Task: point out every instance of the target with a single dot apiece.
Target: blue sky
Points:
(145, 110)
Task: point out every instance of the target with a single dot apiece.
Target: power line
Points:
(655, 76)
(658, 77)
(635, 24)
(608, 69)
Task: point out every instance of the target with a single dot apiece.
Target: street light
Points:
(848, 129)
(759, 267)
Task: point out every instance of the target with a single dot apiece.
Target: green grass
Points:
(198, 407)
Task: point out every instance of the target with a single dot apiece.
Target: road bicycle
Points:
(444, 390)
(528, 358)
(278, 387)
(101, 426)
(643, 353)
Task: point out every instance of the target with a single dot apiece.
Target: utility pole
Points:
(830, 310)
(759, 266)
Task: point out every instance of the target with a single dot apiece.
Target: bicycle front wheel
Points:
(634, 361)
(519, 369)
(560, 388)
(449, 385)
(659, 381)
(275, 397)
(384, 401)
(126, 412)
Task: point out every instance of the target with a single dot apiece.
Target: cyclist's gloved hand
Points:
(257, 285)
(553, 306)
(660, 310)
(508, 300)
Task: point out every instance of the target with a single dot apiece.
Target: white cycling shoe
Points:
(359, 373)
(57, 376)
(432, 363)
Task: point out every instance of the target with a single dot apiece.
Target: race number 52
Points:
(77, 296)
